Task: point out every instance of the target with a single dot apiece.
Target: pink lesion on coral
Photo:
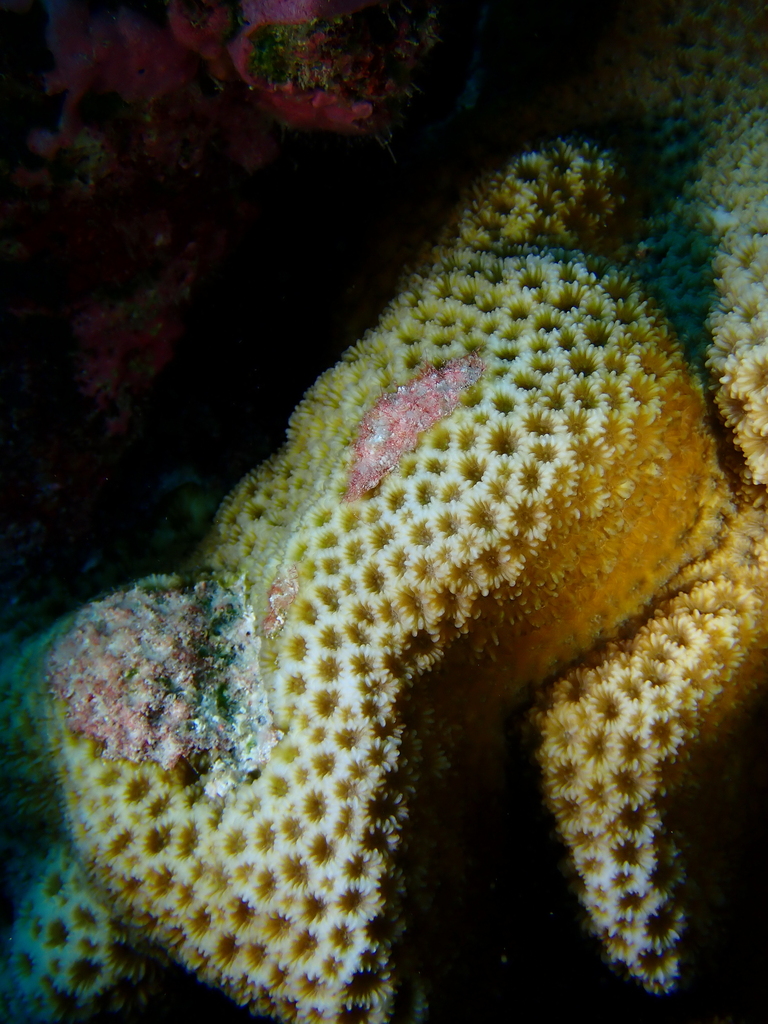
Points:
(281, 596)
(393, 425)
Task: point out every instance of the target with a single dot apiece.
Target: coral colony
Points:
(555, 470)
(285, 769)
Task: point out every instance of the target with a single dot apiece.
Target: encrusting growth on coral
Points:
(161, 673)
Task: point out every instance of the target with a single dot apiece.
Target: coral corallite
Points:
(568, 475)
